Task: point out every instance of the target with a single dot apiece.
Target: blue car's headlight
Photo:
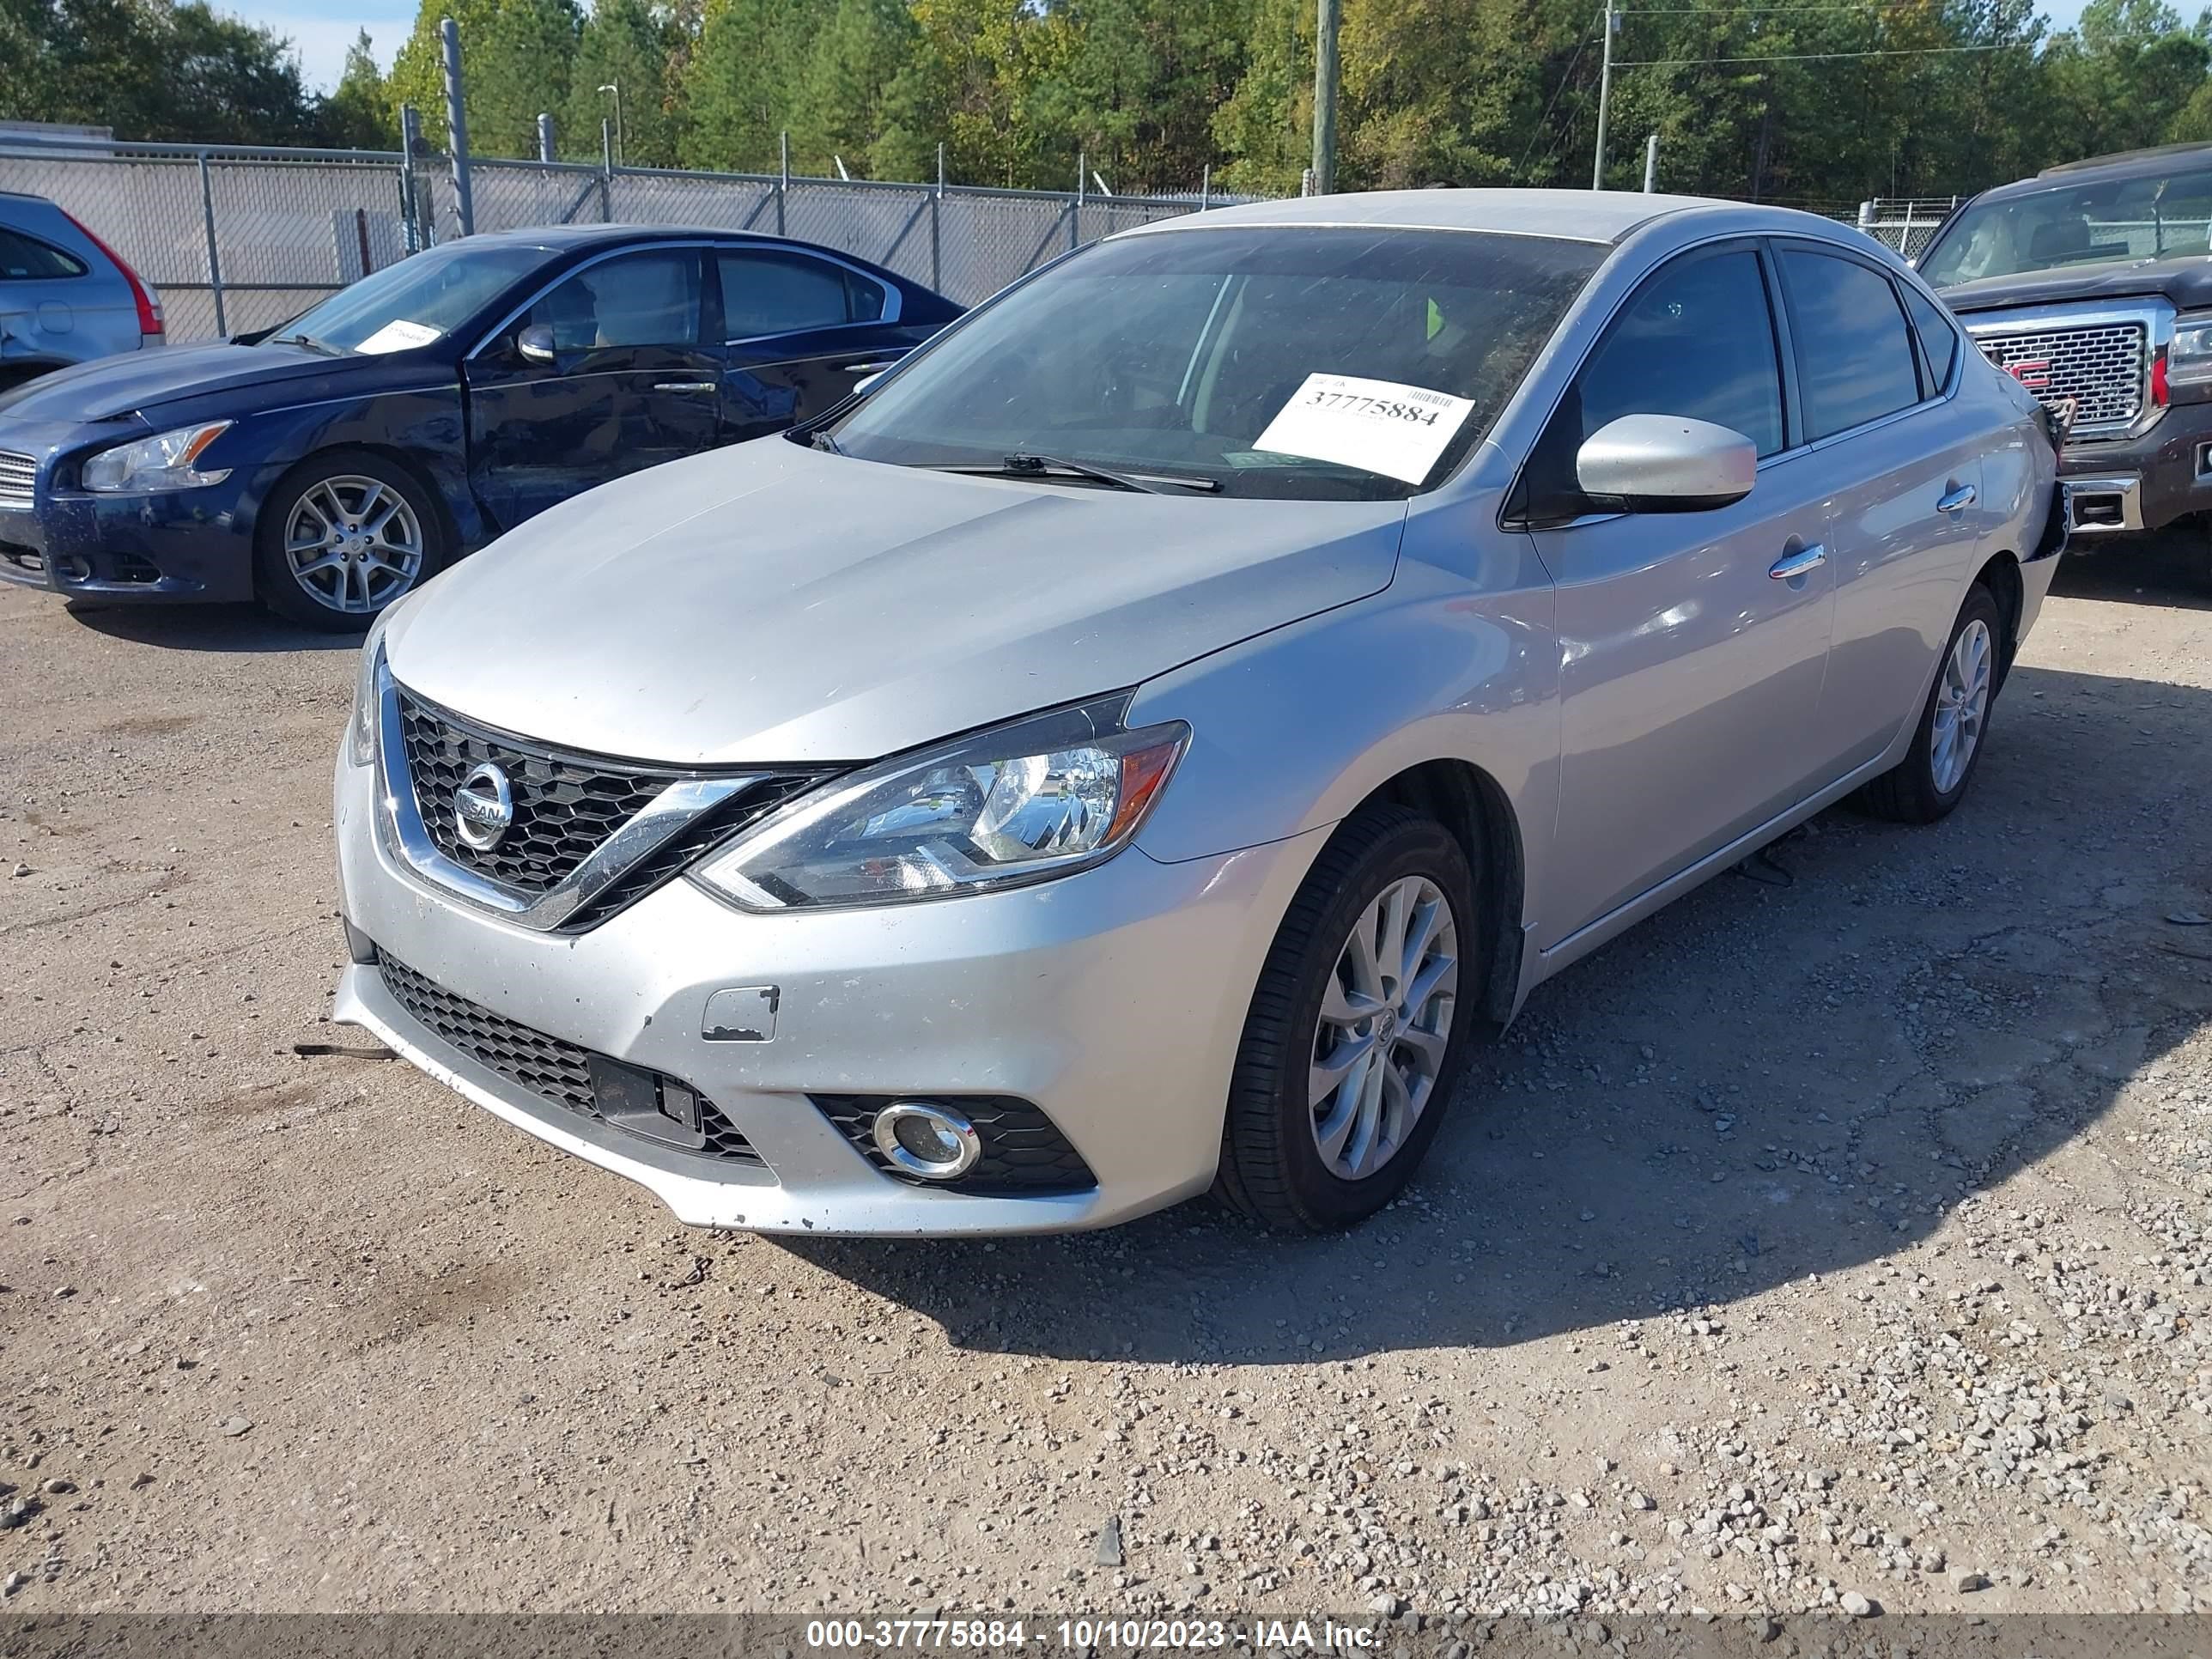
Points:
(1046, 796)
(167, 461)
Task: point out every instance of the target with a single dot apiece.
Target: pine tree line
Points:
(1823, 101)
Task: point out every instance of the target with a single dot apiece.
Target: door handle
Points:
(870, 368)
(686, 385)
(1797, 564)
(1957, 500)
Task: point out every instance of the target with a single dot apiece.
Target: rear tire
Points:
(1953, 729)
(1360, 1048)
(345, 534)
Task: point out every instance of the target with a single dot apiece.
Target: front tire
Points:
(345, 534)
(1358, 1028)
(1947, 744)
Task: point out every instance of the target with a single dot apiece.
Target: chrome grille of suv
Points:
(2103, 366)
(18, 476)
(565, 805)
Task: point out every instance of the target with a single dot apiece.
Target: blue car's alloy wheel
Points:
(345, 537)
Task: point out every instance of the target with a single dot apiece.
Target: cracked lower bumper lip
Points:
(1112, 1000)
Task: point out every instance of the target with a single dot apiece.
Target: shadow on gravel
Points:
(1773, 1078)
(227, 628)
(2170, 567)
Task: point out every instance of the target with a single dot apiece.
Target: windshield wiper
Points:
(310, 342)
(1045, 468)
(823, 440)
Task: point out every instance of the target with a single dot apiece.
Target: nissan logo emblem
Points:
(484, 808)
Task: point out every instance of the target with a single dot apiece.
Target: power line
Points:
(1815, 57)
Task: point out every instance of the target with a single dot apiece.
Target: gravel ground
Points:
(1838, 1239)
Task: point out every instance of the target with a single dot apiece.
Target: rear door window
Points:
(1939, 339)
(771, 293)
(27, 259)
(1855, 355)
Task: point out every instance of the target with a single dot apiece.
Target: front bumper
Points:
(1113, 1001)
(178, 546)
(2125, 484)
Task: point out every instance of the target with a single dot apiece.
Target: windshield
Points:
(1338, 363)
(2153, 217)
(417, 301)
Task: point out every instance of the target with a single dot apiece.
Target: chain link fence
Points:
(1907, 224)
(238, 239)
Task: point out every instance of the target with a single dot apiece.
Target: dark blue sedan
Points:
(334, 464)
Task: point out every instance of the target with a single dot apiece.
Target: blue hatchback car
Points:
(334, 463)
(65, 296)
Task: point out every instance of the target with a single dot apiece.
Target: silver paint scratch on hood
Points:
(770, 603)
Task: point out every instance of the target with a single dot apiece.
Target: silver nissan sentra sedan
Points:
(1149, 739)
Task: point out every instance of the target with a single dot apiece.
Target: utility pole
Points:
(1325, 76)
(545, 151)
(1652, 164)
(1604, 96)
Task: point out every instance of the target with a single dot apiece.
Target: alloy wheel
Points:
(1962, 704)
(352, 545)
(1385, 1026)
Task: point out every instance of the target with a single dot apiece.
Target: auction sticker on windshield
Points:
(398, 334)
(1379, 426)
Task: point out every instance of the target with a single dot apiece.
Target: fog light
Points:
(927, 1140)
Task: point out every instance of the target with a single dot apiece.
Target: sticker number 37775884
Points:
(1379, 426)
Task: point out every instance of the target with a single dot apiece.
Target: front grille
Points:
(18, 474)
(553, 1070)
(565, 806)
(1024, 1151)
(2103, 368)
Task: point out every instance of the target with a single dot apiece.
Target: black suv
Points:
(2090, 284)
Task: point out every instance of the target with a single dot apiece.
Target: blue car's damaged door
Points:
(630, 384)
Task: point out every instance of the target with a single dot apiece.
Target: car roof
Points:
(1587, 216)
(2126, 165)
(569, 239)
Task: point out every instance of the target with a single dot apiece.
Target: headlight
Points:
(1044, 797)
(360, 727)
(166, 462)
(2189, 359)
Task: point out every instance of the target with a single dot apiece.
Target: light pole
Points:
(615, 87)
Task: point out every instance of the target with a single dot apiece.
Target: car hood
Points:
(2187, 282)
(132, 381)
(770, 603)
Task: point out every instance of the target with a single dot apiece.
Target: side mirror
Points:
(536, 344)
(1666, 464)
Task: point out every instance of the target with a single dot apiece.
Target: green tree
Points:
(516, 56)
(357, 115)
(739, 83)
(623, 43)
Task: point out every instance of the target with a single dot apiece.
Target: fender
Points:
(1445, 664)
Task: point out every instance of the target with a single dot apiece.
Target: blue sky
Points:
(322, 33)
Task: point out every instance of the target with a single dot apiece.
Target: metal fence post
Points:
(607, 171)
(411, 204)
(213, 259)
(457, 128)
(545, 139)
(936, 225)
(1652, 164)
(1205, 186)
(782, 179)
(1075, 207)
